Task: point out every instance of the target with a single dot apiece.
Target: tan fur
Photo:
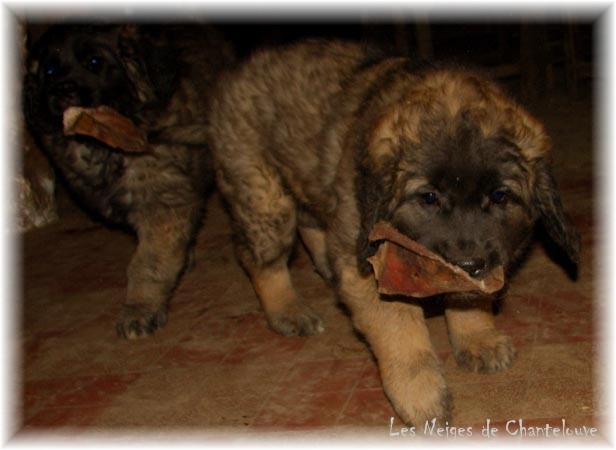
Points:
(397, 333)
(280, 302)
(315, 241)
(477, 344)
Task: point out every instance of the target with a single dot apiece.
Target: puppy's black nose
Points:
(475, 267)
(67, 88)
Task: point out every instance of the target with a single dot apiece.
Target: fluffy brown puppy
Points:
(157, 77)
(318, 138)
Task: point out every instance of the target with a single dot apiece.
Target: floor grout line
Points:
(351, 393)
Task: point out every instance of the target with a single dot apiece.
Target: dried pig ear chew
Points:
(106, 125)
(404, 267)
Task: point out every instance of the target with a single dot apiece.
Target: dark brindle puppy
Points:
(316, 138)
(158, 77)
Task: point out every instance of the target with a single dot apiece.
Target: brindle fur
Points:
(159, 78)
(316, 137)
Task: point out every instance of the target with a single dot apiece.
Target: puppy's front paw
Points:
(486, 351)
(140, 320)
(418, 392)
(295, 319)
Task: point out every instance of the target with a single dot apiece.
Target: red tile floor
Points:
(217, 370)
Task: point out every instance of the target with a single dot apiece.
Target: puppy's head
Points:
(457, 166)
(87, 65)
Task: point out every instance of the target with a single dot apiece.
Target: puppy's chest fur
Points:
(113, 183)
(93, 171)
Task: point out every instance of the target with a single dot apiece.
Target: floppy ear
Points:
(555, 220)
(374, 139)
(150, 63)
(373, 185)
(32, 103)
(369, 201)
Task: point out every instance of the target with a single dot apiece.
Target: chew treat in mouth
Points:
(105, 125)
(404, 267)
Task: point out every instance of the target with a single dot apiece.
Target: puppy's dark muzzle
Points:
(67, 88)
(67, 93)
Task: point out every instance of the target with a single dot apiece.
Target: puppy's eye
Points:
(51, 69)
(499, 197)
(429, 198)
(94, 64)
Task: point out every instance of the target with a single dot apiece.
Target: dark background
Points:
(534, 59)
(537, 58)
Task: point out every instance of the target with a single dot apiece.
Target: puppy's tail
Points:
(193, 134)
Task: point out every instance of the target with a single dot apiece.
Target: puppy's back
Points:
(274, 106)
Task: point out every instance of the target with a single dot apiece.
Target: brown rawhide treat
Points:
(404, 267)
(106, 125)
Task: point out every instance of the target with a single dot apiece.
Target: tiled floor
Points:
(216, 368)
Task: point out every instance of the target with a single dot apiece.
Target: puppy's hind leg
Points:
(285, 313)
(314, 239)
(265, 224)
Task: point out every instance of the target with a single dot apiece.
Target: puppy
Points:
(157, 77)
(320, 138)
